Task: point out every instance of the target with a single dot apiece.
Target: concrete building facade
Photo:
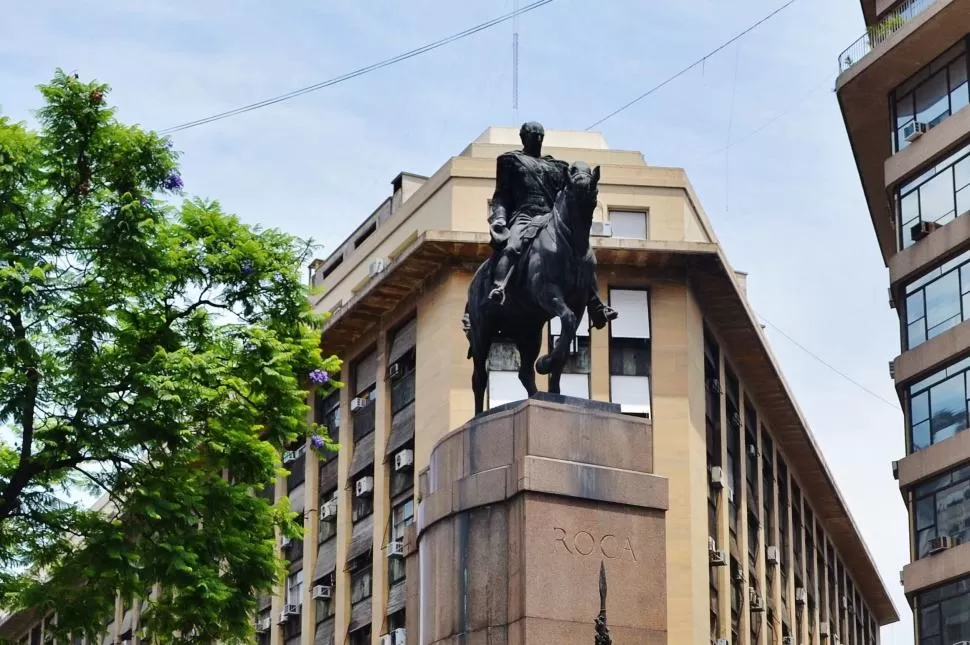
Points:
(903, 91)
(760, 546)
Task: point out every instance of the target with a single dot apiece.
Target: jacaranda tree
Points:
(154, 351)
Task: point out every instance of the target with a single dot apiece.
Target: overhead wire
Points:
(360, 71)
(699, 61)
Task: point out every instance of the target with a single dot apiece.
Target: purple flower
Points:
(168, 144)
(173, 182)
(316, 442)
(144, 201)
(247, 267)
(319, 377)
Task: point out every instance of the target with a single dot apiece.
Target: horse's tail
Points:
(466, 325)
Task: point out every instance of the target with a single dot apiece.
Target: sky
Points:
(757, 127)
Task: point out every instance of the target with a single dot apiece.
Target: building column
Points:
(382, 502)
(311, 533)
(741, 497)
(341, 619)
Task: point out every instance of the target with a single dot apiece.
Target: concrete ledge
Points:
(932, 355)
(610, 485)
(935, 460)
(936, 569)
(934, 249)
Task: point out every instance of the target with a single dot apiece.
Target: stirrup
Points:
(497, 295)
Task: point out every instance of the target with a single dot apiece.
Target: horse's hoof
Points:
(544, 365)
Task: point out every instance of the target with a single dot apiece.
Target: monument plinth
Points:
(521, 507)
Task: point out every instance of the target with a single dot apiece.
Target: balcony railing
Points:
(881, 32)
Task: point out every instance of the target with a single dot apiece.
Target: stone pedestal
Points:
(520, 507)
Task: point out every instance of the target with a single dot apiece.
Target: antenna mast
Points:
(515, 62)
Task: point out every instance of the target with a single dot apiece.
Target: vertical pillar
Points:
(341, 619)
(311, 533)
(741, 495)
(382, 500)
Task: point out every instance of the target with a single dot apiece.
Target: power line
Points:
(361, 71)
(830, 366)
(699, 61)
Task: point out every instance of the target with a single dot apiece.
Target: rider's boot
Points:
(500, 277)
(599, 313)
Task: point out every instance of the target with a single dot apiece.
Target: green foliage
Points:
(146, 350)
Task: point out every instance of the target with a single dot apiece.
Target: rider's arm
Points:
(500, 200)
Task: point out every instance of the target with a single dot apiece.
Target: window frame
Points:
(924, 386)
(636, 344)
(930, 490)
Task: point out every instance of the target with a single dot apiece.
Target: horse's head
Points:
(581, 192)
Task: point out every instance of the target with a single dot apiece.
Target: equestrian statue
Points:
(541, 267)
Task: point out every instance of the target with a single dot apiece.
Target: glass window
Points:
(402, 381)
(938, 406)
(629, 224)
(360, 583)
(933, 93)
(944, 614)
(294, 588)
(630, 351)
(933, 196)
(942, 508)
(935, 301)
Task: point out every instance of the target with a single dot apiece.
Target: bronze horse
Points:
(553, 278)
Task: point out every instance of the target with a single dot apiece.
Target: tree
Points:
(147, 350)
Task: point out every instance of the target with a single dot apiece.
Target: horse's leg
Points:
(551, 300)
(479, 381)
(528, 343)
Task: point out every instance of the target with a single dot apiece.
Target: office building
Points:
(902, 87)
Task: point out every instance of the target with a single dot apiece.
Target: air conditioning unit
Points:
(601, 229)
(263, 625)
(365, 486)
(892, 299)
(328, 511)
(823, 628)
(322, 592)
(730, 495)
(714, 385)
(289, 456)
(771, 555)
(844, 602)
(377, 267)
(717, 558)
(736, 419)
(289, 611)
(922, 229)
(395, 371)
(801, 595)
(387, 639)
(717, 477)
(285, 542)
(752, 450)
(403, 459)
(738, 576)
(400, 636)
(787, 640)
(395, 549)
(892, 369)
(357, 404)
(941, 543)
(721, 641)
(896, 470)
(913, 130)
(755, 603)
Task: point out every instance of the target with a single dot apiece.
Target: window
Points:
(575, 375)
(360, 580)
(402, 386)
(783, 526)
(938, 195)
(942, 507)
(360, 636)
(326, 411)
(326, 608)
(629, 224)
(932, 94)
(751, 456)
(938, 406)
(937, 301)
(328, 525)
(294, 588)
(363, 504)
(630, 351)
(503, 375)
(365, 393)
(401, 517)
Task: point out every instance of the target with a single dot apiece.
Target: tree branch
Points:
(26, 469)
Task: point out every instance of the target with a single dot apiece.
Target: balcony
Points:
(880, 32)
